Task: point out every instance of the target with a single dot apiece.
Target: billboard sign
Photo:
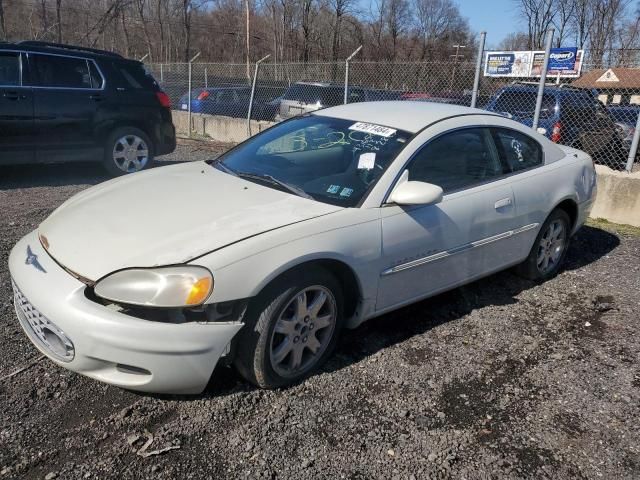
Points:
(507, 64)
(561, 59)
(570, 69)
(566, 62)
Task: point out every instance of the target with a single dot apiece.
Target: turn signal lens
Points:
(199, 291)
(180, 286)
(204, 94)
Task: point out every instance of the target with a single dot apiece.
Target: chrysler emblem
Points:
(32, 259)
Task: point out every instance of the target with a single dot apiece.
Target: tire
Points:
(267, 357)
(535, 267)
(118, 161)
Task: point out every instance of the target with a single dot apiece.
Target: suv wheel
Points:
(127, 150)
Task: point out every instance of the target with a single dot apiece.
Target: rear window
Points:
(310, 94)
(9, 69)
(134, 75)
(519, 150)
(523, 104)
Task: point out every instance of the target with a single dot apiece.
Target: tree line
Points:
(314, 30)
(608, 29)
(289, 30)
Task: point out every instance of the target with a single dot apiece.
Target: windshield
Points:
(328, 159)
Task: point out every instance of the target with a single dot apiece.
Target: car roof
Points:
(408, 116)
(61, 49)
(548, 89)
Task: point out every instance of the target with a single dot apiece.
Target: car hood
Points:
(166, 216)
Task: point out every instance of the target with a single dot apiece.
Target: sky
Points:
(497, 17)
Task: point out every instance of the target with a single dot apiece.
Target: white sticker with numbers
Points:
(372, 129)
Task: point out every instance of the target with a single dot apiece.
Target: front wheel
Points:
(291, 329)
(549, 249)
(127, 150)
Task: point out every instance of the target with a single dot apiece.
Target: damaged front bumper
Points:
(105, 344)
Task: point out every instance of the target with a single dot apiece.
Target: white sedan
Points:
(260, 257)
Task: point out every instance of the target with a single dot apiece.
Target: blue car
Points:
(226, 101)
(569, 115)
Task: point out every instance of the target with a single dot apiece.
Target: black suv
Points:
(61, 103)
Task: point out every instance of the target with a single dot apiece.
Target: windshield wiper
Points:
(265, 178)
(217, 162)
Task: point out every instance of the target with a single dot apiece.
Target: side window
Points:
(226, 96)
(96, 78)
(243, 95)
(457, 160)
(518, 150)
(9, 69)
(64, 72)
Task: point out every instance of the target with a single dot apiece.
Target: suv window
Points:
(518, 150)
(133, 75)
(457, 160)
(9, 69)
(58, 71)
(523, 104)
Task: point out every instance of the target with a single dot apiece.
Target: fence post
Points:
(634, 146)
(253, 92)
(189, 92)
(476, 79)
(346, 73)
(543, 78)
(206, 79)
(161, 73)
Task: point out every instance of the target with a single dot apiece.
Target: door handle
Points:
(96, 97)
(14, 96)
(504, 202)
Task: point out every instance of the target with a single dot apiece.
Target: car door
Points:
(16, 112)
(428, 249)
(68, 92)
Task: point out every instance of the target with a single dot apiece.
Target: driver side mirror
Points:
(415, 193)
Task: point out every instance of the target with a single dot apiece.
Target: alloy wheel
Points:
(551, 247)
(303, 331)
(130, 153)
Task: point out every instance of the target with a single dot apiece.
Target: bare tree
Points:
(59, 20)
(539, 15)
(3, 28)
(564, 13)
(582, 20)
(607, 14)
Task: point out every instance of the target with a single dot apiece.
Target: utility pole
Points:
(455, 63)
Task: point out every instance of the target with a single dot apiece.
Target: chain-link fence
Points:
(596, 112)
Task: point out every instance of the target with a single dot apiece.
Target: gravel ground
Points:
(500, 379)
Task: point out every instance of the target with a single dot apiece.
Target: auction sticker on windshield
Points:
(372, 129)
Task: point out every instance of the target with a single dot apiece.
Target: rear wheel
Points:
(549, 249)
(291, 329)
(127, 150)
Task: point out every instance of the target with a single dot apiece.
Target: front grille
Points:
(41, 330)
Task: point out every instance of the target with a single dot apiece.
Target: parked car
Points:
(304, 97)
(62, 103)
(327, 220)
(626, 117)
(570, 116)
(228, 101)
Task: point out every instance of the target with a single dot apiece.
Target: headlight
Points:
(182, 286)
